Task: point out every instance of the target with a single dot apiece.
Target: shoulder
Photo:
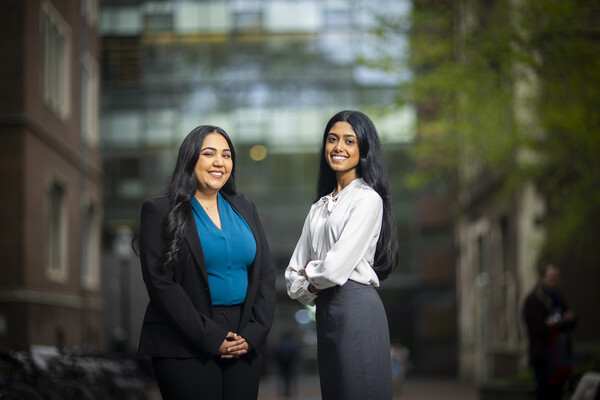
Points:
(242, 205)
(160, 205)
(532, 300)
(238, 201)
(157, 202)
(365, 194)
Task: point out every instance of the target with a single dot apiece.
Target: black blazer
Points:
(178, 321)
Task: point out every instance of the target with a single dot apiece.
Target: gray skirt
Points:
(353, 344)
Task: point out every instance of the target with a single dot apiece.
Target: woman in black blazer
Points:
(209, 275)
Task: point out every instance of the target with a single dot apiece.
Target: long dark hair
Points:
(372, 169)
(182, 187)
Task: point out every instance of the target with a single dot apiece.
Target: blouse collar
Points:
(332, 200)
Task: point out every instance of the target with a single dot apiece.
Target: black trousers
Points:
(543, 390)
(210, 378)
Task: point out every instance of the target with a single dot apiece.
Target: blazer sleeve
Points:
(165, 293)
(263, 306)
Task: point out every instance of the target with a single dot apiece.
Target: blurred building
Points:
(499, 239)
(271, 73)
(499, 213)
(51, 203)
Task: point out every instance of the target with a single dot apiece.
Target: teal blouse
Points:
(228, 252)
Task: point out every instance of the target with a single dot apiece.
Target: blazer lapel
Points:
(242, 208)
(193, 240)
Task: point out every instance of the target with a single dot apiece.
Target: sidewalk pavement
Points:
(413, 389)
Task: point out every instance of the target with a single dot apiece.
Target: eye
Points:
(332, 139)
(207, 154)
(350, 141)
(226, 155)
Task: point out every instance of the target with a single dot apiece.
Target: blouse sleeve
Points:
(297, 285)
(361, 230)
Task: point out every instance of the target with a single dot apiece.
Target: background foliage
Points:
(511, 90)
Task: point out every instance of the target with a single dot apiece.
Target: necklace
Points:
(209, 207)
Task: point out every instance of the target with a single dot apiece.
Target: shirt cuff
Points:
(299, 291)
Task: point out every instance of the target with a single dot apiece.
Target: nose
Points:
(339, 146)
(218, 161)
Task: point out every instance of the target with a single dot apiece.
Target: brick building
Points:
(51, 202)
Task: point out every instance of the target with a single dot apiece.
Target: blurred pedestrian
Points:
(287, 352)
(400, 365)
(549, 319)
(209, 275)
(348, 244)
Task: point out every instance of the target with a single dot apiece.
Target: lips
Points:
(216, 174)
(338, 158)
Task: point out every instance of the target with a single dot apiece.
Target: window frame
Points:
(56, 237)
(56, 40)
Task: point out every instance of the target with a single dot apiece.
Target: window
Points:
(56, 45)
(248, 21)
(89, 11)
(89, 100)
(91, 248)
(56, 232)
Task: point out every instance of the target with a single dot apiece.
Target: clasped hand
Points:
(311, 287)
(233, 346)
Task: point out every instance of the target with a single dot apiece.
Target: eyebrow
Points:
(213, 149)
(336, 135)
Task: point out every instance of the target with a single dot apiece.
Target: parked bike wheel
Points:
(73, 390)
(19, 391)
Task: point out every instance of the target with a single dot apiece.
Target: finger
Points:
(243, 347)
(231, 335)
(234, 343)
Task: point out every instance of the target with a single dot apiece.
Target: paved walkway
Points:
(413, 389)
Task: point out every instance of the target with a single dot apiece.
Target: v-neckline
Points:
(219, 202)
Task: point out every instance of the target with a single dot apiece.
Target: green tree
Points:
(509, 90)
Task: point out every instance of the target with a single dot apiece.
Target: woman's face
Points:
(341, 148)
(214, 164)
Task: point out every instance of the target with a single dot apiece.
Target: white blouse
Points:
(338, 242)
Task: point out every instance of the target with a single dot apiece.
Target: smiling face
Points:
(341, 150)
(214, 164)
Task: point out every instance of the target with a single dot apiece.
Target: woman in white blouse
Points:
(348, 244)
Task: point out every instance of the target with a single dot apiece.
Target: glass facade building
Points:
(271, 73)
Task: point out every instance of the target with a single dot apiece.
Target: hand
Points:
(234, 346)
(569, 315)
(231, 341)
(311, 287)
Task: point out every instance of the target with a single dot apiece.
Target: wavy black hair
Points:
(182, 187)
(371, 167)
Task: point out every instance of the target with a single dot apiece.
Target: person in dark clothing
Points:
(548, 320)
(288, 353)
(210, 278)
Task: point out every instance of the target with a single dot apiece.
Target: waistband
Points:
(349, 285)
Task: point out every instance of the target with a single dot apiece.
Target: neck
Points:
(344, 179)
(206, 197)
